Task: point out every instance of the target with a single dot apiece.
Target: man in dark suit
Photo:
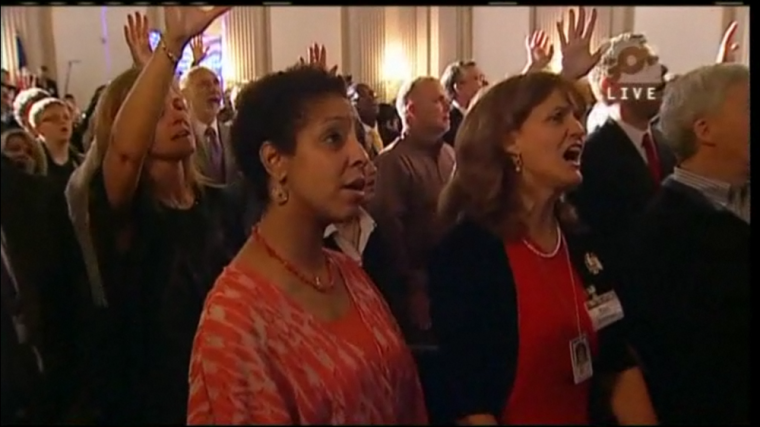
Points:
(203, 90)
(461, 80)
(364, 100)
(24, 268)
(622, 163)
(686, 291)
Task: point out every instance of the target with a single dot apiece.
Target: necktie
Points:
(375, 140)
(216, 155)
(653, 160)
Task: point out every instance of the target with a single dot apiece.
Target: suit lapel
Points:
(667, 160)
(201, 154)
(625, 145)
(229, 155)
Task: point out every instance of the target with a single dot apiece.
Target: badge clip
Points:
(593, 264)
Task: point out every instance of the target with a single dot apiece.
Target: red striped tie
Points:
(653, 160)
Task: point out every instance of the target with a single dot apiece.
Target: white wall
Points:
(498, 39)
(90, 38)
(93, 36)
(684, 37)
(294, 28)
(744, 21)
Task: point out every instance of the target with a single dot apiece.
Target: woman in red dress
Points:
(515, 293)
(293, 333)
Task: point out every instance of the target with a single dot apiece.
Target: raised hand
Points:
(318, 58)
(539, 50)
(136, 33)
(727, 52)
(575, 44)
(185, 22)
(200, 51)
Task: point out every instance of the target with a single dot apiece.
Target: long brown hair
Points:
(483, 186)
(110, 102)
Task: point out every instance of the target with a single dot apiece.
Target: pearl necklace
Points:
(550, 254)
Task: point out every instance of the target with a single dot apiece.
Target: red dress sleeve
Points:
(230, 383)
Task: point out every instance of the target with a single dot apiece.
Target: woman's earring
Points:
(280, 195)
(518, 162)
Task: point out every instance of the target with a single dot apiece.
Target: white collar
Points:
(368, 128)
(366, 227)
(456, 105)
(597, 116)
(201, 128)
(635, 134)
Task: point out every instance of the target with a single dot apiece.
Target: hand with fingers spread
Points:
(199, 49)
(728, 50)
(540, 52)
(183, 23)
(318, 58)
(136, 34)
(575, 43)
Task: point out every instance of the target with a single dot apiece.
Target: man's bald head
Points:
(203, 90)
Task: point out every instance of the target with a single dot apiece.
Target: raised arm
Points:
(575, 44)
(135, 123)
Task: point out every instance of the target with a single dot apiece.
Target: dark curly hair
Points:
(272, 109)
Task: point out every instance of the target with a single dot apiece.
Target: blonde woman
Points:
(158, 233)
(18, 146)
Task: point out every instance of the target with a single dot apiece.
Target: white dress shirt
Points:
(635, 135)
(597, 116)
(366, 227)
(201, 128)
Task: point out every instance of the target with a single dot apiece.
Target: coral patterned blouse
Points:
(259, 358)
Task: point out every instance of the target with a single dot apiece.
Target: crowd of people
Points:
(540, 250)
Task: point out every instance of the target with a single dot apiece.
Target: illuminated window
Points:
(212, 61)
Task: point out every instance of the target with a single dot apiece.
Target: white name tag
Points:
(605, 310)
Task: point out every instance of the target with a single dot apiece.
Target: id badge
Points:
(580, 356)
(605, 310)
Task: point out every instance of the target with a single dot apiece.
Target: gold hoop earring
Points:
(518, 162)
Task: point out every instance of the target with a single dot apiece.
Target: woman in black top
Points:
(512, 287)
(160, 235)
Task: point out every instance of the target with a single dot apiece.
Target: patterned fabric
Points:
(259, 358)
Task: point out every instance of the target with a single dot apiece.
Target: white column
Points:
(498, 36)
(294, 28)
(365, 37)
(241, 39)
(621, 20)
(11, 18)
(450, 38)
(546, 18)
(400, 61)
(743, 18)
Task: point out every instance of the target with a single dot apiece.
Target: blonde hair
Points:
(23, 103)
(105, 113)
(39, 108)
(37, 154)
